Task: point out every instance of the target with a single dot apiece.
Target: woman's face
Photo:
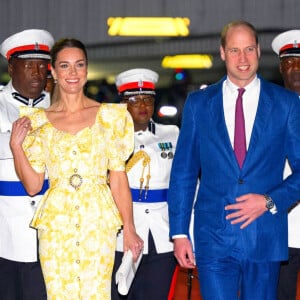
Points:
(141, 108)
(70, 70)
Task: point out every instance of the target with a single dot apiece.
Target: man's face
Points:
(241, 55)
(290, 71)
(28, 76)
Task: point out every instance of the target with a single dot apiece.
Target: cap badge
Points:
(36, 47)
(295, 45)
(140, 83)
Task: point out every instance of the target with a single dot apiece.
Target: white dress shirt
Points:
(250, 103)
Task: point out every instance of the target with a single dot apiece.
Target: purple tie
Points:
(239, 129)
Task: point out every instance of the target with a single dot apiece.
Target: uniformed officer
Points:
(148, 172)
(287, 46)
(28, 54)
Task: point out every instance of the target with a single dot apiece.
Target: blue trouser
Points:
(231, 278)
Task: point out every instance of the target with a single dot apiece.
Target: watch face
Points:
(270, 203)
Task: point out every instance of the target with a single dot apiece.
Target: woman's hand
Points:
(122, 196)
(32, 180)
(20, 129)
(133, 242)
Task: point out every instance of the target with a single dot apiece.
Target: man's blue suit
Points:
(204, 148)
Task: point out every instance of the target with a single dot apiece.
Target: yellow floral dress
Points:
(77, 219)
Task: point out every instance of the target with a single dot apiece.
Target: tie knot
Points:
(241, 92)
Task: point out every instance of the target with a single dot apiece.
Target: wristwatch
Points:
(270, 205)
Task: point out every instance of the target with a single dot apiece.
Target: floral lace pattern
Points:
(77, 219)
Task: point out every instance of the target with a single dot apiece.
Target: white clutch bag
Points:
(126, 272)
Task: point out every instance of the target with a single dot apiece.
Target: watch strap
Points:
(273, 209)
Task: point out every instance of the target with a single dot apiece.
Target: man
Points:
(28, 54)
(287, 46)
(240, 221)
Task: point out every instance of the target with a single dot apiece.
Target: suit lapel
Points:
(218, 118)
(263, 113)
(261, 120)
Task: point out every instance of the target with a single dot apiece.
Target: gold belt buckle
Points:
(75, 181)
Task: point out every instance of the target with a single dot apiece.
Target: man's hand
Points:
(247, 209)
(184, 253)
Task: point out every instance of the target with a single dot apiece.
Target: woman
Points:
(78, 141)
(148, 172)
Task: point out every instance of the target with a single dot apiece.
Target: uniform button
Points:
(32, 202)
(147, 211)
(77, 225)
(77, 206)
(78, 261)
(241, 181)
(74, 152)
(78, 278)
(77, 243)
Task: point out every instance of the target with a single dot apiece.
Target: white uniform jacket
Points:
(152, 213)
(293, 218)
(18, 242)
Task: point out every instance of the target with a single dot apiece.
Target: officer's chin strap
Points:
(151, 126)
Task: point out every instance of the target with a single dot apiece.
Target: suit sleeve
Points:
(288, 192)
(184, 173)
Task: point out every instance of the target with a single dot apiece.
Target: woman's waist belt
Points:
(149, 196)
(16, 188)
(76, 180)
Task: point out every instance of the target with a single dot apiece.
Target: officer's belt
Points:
(16, 188)
(151, 195)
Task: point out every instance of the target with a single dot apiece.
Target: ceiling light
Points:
(148, 26)
(188, 61)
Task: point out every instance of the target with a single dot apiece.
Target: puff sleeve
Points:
(121, 139)
(33, 144)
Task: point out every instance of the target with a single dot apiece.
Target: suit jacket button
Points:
(241, 181)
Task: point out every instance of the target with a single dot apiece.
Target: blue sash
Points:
(16, 188)
(152, 195)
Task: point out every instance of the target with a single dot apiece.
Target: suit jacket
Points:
(204, 148)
